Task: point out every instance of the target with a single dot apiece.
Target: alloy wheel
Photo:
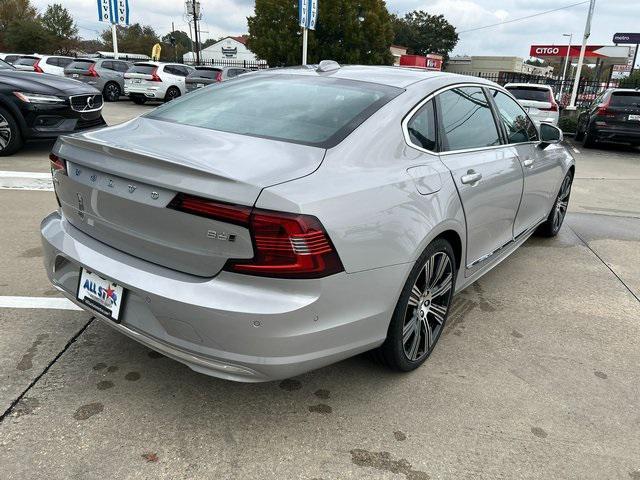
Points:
(5, 133)
(428, 306)
(562, 202)
(112, 92)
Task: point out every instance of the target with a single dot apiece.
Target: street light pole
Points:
(587, 34)
(566, 63)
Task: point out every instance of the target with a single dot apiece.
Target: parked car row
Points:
(141, 81)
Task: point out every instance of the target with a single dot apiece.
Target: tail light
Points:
(218, 76)
(154, 75)
(554, 106)
(92, 70)
(286, 245)
(37, 68)
(603, 110)
(57, 164)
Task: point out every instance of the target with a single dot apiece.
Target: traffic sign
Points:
(633, 38)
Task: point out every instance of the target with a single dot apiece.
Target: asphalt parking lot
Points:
(537, 374)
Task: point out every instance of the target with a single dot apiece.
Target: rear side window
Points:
(465, 120)
(143, 68)
(80, 65)
(108, 65)
(520, 128)
(530, 93)
(208, 73)
(121, 66)
(422, 127)
(61, 61)
(317, 111)
(625, 99)
(26, 61)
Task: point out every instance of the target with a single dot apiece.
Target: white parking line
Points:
(25, 181)
(38, 302)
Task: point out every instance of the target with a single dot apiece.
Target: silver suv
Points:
(107, 75)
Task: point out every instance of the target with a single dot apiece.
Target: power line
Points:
(524, 18)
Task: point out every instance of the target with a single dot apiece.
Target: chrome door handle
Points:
(471, 177)
(528, 162)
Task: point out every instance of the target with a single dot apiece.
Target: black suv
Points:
(613, 116)
(39, 105)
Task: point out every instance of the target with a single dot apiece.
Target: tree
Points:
(27, 35)
(64, 33)
(11, 11)
(211, 41)
(423, 33)
(347, 31)
(135, 38)
(175, 52)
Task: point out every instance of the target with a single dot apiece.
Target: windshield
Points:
(80, 64)
(30, 61)
(310, 110)
(625, 99)
(530, 93)
(205, 73)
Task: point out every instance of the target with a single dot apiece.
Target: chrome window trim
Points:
(409, 116)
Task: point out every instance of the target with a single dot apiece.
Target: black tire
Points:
(393, 352)
(579, 134)
(111, 92)
(554, 221)
(10, 134)
(138, 99)
(589, 140)
(172, 94)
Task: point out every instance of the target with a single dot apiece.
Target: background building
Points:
(494, 65)
(230, 49)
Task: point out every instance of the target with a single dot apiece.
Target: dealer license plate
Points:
(102, 295)
(634, 117)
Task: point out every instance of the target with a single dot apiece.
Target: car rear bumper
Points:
(617, 134)
(236, 327)
(149, 92)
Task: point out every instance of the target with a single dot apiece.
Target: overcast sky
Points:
(228, 17)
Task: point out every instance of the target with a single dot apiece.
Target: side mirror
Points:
(549, 134)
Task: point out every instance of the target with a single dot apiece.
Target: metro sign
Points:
(592, 51)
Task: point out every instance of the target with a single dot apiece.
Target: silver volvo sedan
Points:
(291, 218)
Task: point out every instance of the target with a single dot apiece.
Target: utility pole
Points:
(587, 34)
(195, 30)
(566, 63)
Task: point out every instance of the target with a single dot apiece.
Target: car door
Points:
(542, 168)
(486, 172)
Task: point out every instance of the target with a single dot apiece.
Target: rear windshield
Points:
(80, 64)
(26, 61)
(144, 68)
(11, 58)
(315, 111)
(530, 93)
(208, 73)
(625, 99)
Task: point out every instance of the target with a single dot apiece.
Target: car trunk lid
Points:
(623, 109)
(80, 70)
(122, 179)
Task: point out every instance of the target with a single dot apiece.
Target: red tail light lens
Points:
(202, 207)
(286, 245)
(218, 76)
(154, 75)
(92, 70)
(57, 164)
(554, 106)
(603, 111)
(37, 68)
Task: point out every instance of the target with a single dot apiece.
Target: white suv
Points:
(53, 64)
(155, 81)
(538, 101)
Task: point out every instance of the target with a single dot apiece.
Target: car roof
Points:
(400, 77)
(631, 90)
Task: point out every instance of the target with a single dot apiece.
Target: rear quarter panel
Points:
(367, 201)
